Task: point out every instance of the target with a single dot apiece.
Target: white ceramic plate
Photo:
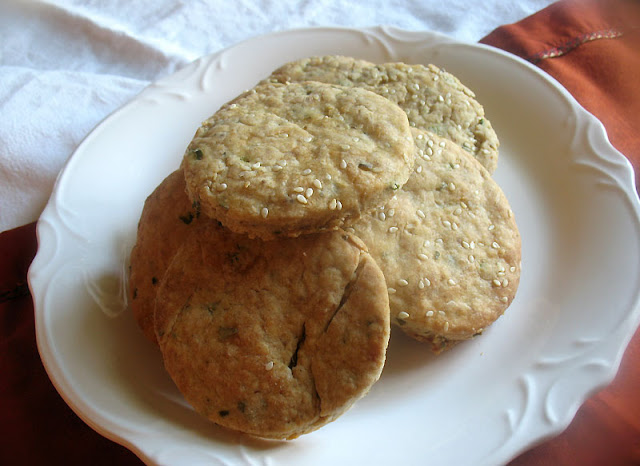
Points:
(482, 402)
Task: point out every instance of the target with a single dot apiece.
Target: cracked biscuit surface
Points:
(281, 160)
(448, 245)
(272, 338)
(433, 99)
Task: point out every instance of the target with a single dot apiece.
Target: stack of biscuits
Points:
(334, 199)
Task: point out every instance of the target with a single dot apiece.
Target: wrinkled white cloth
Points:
(67, 64)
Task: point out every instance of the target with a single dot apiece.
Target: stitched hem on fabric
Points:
(21, 289)
(574, 43)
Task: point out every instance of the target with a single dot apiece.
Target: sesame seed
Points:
(403, 282)
(391, 212)
(301, 199)
(454, 226)
(446, 326)
(276, 168)
(317, 183)
(333, 204)
(308, 139)
(309, 192)
(439, 241)
(382, 216)
(504, 299)
(421, 214)
(424, 257)
(221, 187)
(391, 290)
(472, 244)
(403, 315)
(343, 164)
(306, 171)
(452, 187)
(282, 163)
(393, 229)
(495, 245)
(465, 245)
(491, 227)
(268, 366)
(464, 205)
(451, 282)
(440, 98)
(264, 212)
(327, 176)
(256, 165)
(345, 147)
(471, 258)
(421, 284)
(430, 143)
(427, 281)
(247, 183)
(339, 205)
(419, 169)
(512, 269)
(298, 189)
(505, 282)
(441, 313)
(442, 144)
(496, 282)
(446, 223)
(429, 313)
(458, 211)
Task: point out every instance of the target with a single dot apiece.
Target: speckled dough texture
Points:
(299, 158)
(448, 245)
(433, 99)
(166, 219)
(275, 338)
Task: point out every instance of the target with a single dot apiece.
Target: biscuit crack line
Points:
(293, 362)
(346, 293)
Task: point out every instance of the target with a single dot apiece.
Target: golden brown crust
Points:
(448, 245)
(167, 217)
(433, 99)
(273, 338)
(281, 160)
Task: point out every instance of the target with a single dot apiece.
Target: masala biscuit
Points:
(167, 217)
(448, 245)
(281, 160)
(433, 99)
(272, 338)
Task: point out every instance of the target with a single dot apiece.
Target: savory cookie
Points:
(448, 246)
(433, 99)
(273, 338)
(281, 160)
(167, 217)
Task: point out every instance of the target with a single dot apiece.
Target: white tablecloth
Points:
(67, 64)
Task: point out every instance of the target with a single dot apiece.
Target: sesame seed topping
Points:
(268, 366)
(301, 199)
(496, 282)
(452, 187)
(495, 245)
(472, 258)
(345, 147)
(504, 299)
(391, 290)
(458, 211)
(465, 245)
(264, 212)
(382, 216)
(440, 98)
(505, 282)
(512, 269)
(391, 212)
(306, 171)
(421, 214)
(276, 168)
(446, 326)
(472, 244)
(247, 184)
(308, 139)
(403, 282)
(454, 226)
(221, 187)
(339, 205)
(419, 169)
(333, 204)
(424, 257)
(427, 281)
(446, 223)
(491, 227)
(442, 144)
(317, 183)
(403, 315)
(298, 189)
(343, 164)
(309, 192)
(429, 313)
(439, 241)
(441, 313)
(451, 282)
(393, 229)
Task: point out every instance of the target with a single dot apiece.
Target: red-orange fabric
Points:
(591, 47)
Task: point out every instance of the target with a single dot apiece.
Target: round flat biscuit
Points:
(448, 245)
(433, 99)
(167, 217)
(290, 159)
(273, 338)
